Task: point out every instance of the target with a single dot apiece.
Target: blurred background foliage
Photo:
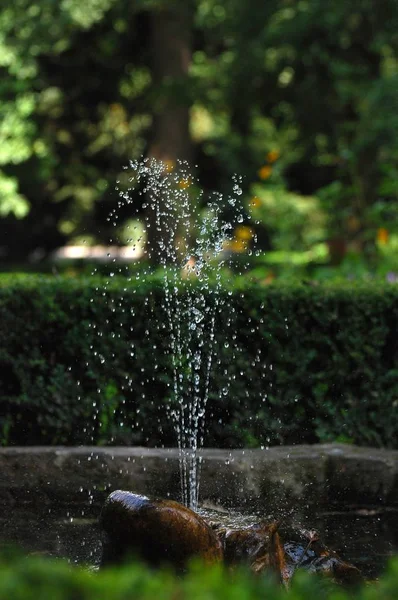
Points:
(298, 97)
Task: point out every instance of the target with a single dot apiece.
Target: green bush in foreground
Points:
(88, 360)
(36, 578)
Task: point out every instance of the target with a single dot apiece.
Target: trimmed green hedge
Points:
(34, 578)
(304, 363)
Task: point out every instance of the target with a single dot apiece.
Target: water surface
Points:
(366, 537)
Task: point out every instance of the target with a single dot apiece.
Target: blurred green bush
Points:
(31, 578)
(88, 360)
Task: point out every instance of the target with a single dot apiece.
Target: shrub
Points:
(31, 578)
(89, 360)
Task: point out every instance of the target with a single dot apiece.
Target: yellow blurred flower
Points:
(265, 172)
(168, 165)
(244, 232)
(183, 184)
(235, 246)
(273, 155)
(382, 235)
(269, 278)
(255, 202)
(239, 245)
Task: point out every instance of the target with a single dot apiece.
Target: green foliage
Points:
(88, 360)
(32, 577)
(12, 201)
(57, 128)
(79, 98)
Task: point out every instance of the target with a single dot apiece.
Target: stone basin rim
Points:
(290, 452)
(325, 475)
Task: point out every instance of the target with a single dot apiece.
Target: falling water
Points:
(190, 235)
(192, 264)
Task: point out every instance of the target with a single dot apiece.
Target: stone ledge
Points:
(320, 475)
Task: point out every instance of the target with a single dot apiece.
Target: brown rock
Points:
(164, 531)
(156, 531)
(258, 546)
(305, 550)
(263, 548)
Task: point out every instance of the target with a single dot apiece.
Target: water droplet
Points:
(198, 316)
(237, 189)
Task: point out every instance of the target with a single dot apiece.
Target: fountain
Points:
(190, 243)
(195, 291)
(192, 265)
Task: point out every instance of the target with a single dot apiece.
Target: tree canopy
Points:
(300, 98)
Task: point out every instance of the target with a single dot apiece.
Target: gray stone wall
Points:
(329, 475)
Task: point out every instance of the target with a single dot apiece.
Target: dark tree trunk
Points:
(171, 43)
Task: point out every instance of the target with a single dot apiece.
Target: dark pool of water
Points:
(71, 533)
(366, 537)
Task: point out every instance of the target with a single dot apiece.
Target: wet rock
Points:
(258, 546)
(264, 548)
(164, 531)
(156, 531)
(305, 550)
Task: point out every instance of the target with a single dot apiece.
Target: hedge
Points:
(32, 578)
(87, 360)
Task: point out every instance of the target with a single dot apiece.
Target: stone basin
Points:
(325, 475)
(52, 496)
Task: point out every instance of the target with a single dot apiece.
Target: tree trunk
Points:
(171, 43)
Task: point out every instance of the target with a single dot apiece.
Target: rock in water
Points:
(166, 532)
(305, 550)
(258, 546)
(261, 547)
(156, 531)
